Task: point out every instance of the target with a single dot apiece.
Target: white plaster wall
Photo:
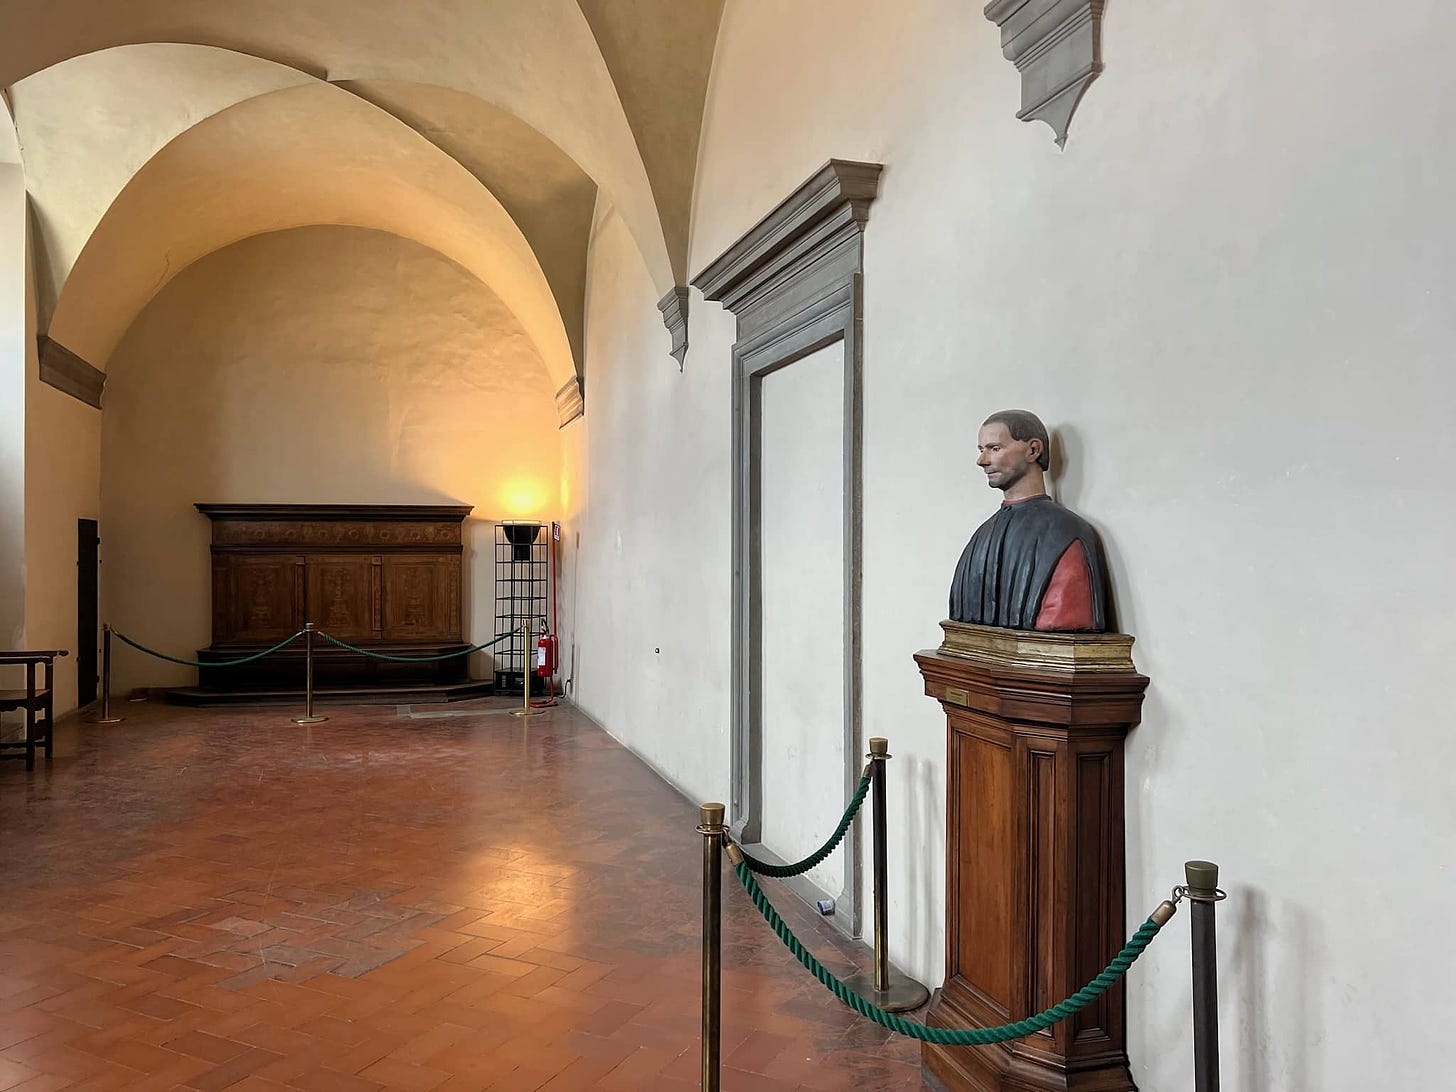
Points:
(1230, 299)
(652, 573)
(62, 485)
(13, 329)
(801, 556)
(53, 460)
(322, 364)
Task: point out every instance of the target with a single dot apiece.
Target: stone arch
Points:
(537, 59)
(307, 154)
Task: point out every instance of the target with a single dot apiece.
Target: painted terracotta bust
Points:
(1034, 564)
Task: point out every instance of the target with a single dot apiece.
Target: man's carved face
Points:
(1005, 461)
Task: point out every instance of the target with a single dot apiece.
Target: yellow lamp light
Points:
(523, 497)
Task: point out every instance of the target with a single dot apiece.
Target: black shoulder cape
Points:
(1006, 567)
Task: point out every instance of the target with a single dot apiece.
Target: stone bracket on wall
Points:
(569, 401)
(69, 373)
(674, 308)
(1056, 45)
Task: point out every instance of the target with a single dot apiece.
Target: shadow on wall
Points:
(1262, 1033)
(1065, 483)
(925, 850)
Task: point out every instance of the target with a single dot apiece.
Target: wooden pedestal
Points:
(1034, 852)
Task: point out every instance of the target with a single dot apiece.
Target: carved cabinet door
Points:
(264, 597)
(422, 597)
(343, 595)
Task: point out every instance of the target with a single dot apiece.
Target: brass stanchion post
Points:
(527, 669)
(1202, 891)
(710, 826)
(309, 716)
(106, 717)
(885, 986)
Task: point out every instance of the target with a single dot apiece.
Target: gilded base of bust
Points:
(1069, 653)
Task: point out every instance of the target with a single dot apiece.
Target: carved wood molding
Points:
(569, 402)
(674, 308)
(376, 512)
(346, 533)
(346, 527)
(69, 373)
(1056, 45)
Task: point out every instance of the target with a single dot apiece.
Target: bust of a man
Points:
(1034, 564)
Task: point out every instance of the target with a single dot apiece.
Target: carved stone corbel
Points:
(1056, 45)
(69, 373)
(569, 401)
(674, 308)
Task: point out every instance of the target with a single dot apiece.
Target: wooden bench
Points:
(37, 701)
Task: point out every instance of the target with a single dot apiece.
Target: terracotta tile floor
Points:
(221, 899)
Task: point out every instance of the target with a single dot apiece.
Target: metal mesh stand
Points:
(521, 570)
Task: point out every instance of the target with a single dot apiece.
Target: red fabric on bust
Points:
(1067, 604)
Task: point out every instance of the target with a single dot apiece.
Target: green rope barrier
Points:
(415, 659)
(763, 868)
(206, 663)
(948, 1036)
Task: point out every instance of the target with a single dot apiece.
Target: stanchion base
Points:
(308, 720)
(105, 720)
(527, 712)
(903, 995)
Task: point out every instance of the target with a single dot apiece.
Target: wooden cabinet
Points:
(382, 577)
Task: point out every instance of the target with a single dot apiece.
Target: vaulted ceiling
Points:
(157, 131)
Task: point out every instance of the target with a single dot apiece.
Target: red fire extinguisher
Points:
(546, 655)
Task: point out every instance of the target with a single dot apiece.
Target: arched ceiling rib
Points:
(9, 145)
(89, 123)
(536, 59)
(303, 155)
(546, 193)
(660, 54)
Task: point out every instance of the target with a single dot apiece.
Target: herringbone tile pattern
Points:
(223, 900)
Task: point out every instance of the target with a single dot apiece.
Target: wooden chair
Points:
(37, 701)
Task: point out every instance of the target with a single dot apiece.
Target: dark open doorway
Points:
(87, 605)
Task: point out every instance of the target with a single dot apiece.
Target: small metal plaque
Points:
(954, 695)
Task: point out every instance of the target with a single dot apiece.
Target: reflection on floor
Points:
(214, 899)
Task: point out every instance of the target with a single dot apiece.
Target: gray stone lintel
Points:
(839, 193)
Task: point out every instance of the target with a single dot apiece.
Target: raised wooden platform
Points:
(404, 694)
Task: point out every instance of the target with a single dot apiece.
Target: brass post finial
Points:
(711, 815)
(1202, 877)
(879, 748)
